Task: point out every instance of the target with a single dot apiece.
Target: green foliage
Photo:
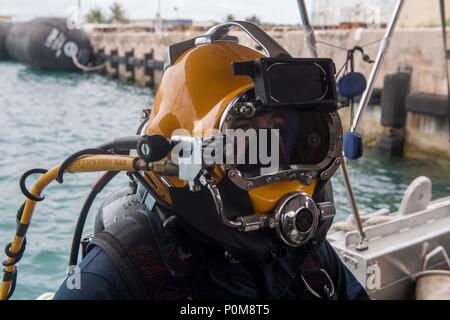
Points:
(254, 19)
(95, 15)
(230, 17)
(118, 14)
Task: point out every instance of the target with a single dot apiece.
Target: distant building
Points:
(5, 18)
(348, 13)
(142, 25)
(166, 24)
(357, 13)
(322, 13)
(170, 24)
(420, 13)
(203, 25)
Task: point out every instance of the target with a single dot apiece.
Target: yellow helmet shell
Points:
(197, 88)
(193, 95)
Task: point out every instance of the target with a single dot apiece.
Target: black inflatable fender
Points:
(47, 43)
(4, 29)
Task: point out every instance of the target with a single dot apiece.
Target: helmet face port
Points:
(283, 138)
(269, 145)
(304, 220)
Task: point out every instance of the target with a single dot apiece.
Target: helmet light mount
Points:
(301, 82)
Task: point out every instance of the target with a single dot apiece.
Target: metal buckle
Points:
(328, 289)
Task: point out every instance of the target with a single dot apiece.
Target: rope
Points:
(86, 68)
(375, 218)
(332, 45)
(346, 49)
(371, 43)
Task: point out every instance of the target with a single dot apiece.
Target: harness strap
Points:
(117, 253)
(138, 258)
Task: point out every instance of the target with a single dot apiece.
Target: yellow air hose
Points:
(89, 163)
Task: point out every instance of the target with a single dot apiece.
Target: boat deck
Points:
(396, 250)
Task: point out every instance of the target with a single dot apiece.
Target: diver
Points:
(237, 230)
(229, 195)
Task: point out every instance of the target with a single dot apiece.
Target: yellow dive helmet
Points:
(238, 150)
(211, 83)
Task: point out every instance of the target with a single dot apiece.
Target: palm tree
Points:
(230, 17)
(95, 15)
(118, 14)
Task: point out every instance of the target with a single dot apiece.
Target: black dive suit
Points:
(174, 265)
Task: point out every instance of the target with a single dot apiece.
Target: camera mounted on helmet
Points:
(305, 83)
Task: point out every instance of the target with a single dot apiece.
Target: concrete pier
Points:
(427, 130)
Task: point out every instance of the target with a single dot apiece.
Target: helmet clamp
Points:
(295, 219)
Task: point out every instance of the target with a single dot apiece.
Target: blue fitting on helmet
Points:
(351, 85)
(353, 146)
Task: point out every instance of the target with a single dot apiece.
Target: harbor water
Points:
(45, 116)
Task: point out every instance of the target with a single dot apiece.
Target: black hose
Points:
(118, 146)
(12, 275)
(121, 146)
(144, 122)
(23, 186)
(73, 157)
(96, 189)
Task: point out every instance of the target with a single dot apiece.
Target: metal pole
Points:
(158, 27)
(351, 197)
(310, 39)
(378, 61)
(311, 42)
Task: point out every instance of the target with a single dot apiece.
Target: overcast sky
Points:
(267, 10)
(275, 11)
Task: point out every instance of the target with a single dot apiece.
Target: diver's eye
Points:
(314, 139)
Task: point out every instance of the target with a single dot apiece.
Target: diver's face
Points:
(300, 138)
(267, 121)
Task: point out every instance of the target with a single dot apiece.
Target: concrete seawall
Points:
(427, 131)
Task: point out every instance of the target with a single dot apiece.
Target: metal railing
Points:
(311, 43)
